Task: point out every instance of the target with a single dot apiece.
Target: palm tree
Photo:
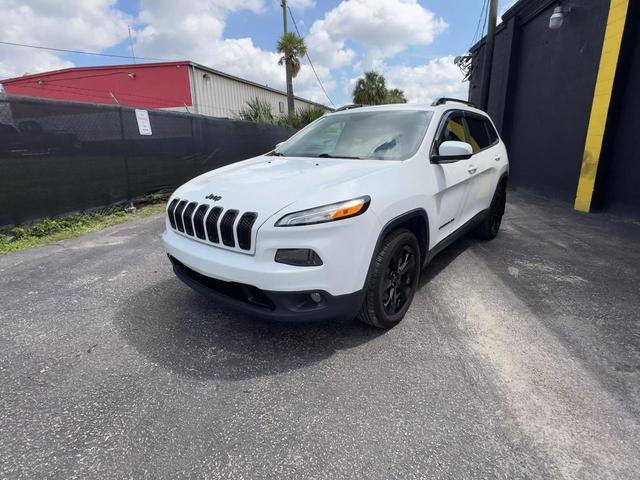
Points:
(395, 95)
(292, 48)
(370, 90)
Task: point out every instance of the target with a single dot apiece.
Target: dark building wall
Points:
(618, 180)
(542, 89)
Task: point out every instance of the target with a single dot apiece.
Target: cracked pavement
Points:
(519, 358)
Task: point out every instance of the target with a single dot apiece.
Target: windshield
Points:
(381, 135)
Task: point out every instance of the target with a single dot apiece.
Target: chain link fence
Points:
(60, 157)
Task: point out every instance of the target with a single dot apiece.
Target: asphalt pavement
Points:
(519, 358)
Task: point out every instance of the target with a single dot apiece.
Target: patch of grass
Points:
(50, 230)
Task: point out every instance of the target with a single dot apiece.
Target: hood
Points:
(267, 184)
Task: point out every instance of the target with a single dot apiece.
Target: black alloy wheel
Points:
(393, 280)
(398, 280)
(490, 226)
(497, 211)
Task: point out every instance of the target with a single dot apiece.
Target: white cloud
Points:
(14, 62)
(382, 27)
(88, 25)
(193, 30)
(326, 49)
(421, 84)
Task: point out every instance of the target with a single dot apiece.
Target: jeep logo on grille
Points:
(213, 197)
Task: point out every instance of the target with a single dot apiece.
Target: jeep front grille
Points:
(212, 224)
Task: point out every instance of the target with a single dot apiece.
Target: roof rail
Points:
(349, 107)
(443, 100)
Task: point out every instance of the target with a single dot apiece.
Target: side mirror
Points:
(452, 151)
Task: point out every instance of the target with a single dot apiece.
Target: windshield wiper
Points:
(276, 154)
(328, 155)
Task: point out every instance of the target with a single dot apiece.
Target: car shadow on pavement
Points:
(444, 258)
(181, 330)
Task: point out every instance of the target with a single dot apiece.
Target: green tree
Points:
(292, 48)
(257, 110)
(395, 95)
(370, 90)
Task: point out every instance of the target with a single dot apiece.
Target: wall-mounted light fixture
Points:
(132, 76)
(557, 17)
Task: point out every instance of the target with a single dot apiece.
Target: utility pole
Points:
(287, 66)
(284, 14)
(133, 55)
(488, 54)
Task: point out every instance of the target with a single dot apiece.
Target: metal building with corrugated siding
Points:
(181, 86)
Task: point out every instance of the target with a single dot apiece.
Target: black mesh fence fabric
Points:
(61, 157)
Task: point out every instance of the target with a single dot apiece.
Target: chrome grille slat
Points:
(198, 221)
(243, 230)
(187, 218)
(171, 212)
(226, 227)
(178, 214)
(213, 225)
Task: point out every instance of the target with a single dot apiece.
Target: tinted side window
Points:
(453, 129)
(478, 135)
(493, 135)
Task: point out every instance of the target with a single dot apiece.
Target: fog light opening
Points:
(299, 257)
(316, 297)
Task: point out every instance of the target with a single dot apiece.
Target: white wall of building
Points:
(220, 96)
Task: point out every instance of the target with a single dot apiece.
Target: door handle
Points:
(472, 170)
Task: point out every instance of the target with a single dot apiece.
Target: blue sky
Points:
(412, 42)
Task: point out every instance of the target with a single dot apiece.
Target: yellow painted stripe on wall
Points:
(600, 103)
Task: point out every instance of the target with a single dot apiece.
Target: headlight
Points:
(326, 213)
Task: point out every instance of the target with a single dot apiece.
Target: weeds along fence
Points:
(60, 157)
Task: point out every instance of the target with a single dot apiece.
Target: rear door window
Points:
(493, 135)
(478, 134)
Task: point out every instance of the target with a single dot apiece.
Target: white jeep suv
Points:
(339, 220)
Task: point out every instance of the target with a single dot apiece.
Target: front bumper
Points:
(296, 306)
(345, 248)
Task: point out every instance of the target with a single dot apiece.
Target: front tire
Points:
(394, 280)
(490, 226)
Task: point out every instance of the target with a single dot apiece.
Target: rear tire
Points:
(490, 226)
(393, 282)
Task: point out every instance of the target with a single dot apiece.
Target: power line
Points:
(482, 14)
(310, 62)
(485, 20)
(40, 47)
(19, 80)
